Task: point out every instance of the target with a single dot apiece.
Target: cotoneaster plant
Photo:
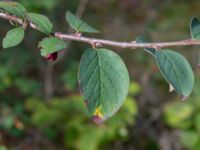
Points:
(102, 76)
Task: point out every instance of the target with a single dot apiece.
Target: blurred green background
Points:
(40, 104)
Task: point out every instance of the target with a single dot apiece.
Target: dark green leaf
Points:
(177, 71)
(141, 39)
(78, 24)
(195, 28)
(41, 21)
(13, 37)
(14, 8)
(104, 82)
(51, 45)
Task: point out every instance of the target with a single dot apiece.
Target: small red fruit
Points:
(52, 56)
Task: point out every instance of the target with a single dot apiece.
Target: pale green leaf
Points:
(190, 139)
(104, 82)
(178, 114)
(195, 28)
(2, 147)
(41, 21)
(13, 37)
(177, 71)
(14, 8)
(51, 45)
(78, 24)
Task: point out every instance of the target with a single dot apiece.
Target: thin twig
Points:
(96, 41)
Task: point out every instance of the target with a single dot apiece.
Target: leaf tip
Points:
(96, 119)
(98, 116)
(183, 98)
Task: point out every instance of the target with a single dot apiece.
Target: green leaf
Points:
(177, 71)
(178, 114)
(104, 82)
(195, 28)
(78, 24)
(189, 139)
(51, 45)
(141, 39)
(14, 8)
(197, 121)
(2, 147)
(13, 37)
(41, 21)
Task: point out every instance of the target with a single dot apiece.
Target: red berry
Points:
(52, 56)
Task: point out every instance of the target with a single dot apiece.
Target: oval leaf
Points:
(104, 82)
(78, 24)
(14, 8)
(51, 45)
(177, 71)
(13, 37)
(141, 39)
(195, 28)
(41, 21)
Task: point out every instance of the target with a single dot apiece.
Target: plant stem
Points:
(103, 42)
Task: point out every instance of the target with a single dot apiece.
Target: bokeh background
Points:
(40, 104)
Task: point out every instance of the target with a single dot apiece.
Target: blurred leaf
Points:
(128, 112)
(2, 147)
(46, 117)
(197, 121)
(41, 21)
(16, 132)
(189, 138)
(78, 24)
(8, 121)
(89, 140)
(33, 103)
(51, 45)
(27, 86)
(134, 88)
(39, 5)
(50, 133)
(13, 37)
(130, 107)
(178, 114)
(73, 102)
(69, 77)
(14, 8)
(195, 28)
(177, 71)
(104, 82)
(196, 146)
(141, 39)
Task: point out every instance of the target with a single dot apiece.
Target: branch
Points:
(101, 42)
